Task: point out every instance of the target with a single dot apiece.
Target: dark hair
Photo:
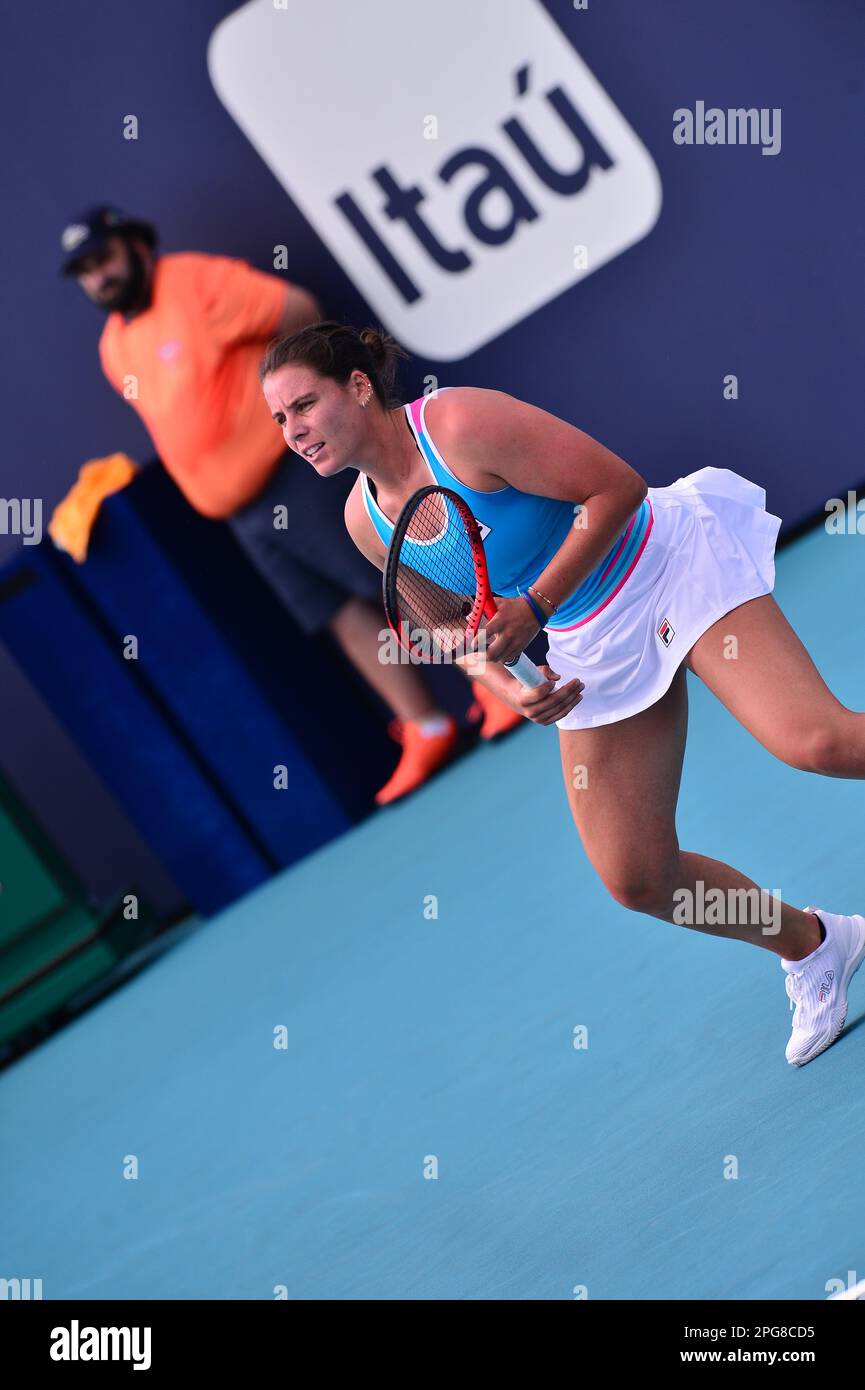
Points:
(336, 350)
(139, 231)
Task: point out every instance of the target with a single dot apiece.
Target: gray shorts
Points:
(313, 564)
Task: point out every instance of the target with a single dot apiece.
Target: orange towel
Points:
(72, 519)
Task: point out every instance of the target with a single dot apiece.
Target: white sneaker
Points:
(817, 985)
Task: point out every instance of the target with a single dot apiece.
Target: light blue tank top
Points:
(522, 532)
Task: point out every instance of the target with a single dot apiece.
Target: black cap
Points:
(90, 231)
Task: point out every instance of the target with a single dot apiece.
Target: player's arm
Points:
(369, 543)
(503, 440)
(361, 529)
(517, 443)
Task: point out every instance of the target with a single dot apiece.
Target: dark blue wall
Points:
(753, 266)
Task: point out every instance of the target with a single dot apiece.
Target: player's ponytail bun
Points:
(336, 350)
(385, 352)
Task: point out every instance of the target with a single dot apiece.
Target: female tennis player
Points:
(632, 584)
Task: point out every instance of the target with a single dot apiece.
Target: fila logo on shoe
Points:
(826, 986)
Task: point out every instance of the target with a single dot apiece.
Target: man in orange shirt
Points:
(184, 337)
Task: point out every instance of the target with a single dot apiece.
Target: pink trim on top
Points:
(417, 411)
(620, 547)
(623, 579)
(415, 408)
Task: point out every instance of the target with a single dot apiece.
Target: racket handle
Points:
(524, 669)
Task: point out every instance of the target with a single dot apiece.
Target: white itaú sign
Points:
(459, 160)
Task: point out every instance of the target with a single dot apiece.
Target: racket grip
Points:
(525, 671)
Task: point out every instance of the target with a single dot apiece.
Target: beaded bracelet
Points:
(554, 607)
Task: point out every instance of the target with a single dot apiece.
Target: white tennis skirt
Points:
(711, 546)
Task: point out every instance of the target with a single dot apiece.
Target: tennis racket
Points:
(436, 587)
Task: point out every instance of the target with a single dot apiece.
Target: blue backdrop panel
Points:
(184, 660)
(752, 267)
(306, 680)
(167, 793)
(71, 804)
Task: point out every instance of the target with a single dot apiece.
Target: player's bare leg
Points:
(622, 782)
(754, 662)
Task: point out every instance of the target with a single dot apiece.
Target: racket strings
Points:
(436, 578)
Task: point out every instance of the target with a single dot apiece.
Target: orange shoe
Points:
(422, 756)
(498, 716)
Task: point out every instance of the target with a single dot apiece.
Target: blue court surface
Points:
(415, 1040)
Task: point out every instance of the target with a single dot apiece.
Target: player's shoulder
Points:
(354, 501)
(464, 409)
(471, 425)
(359, 526)
(355, 510)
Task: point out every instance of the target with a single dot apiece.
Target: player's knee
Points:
(823, 749)
(642, 886)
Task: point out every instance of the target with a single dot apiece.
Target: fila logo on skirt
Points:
(666, 632)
